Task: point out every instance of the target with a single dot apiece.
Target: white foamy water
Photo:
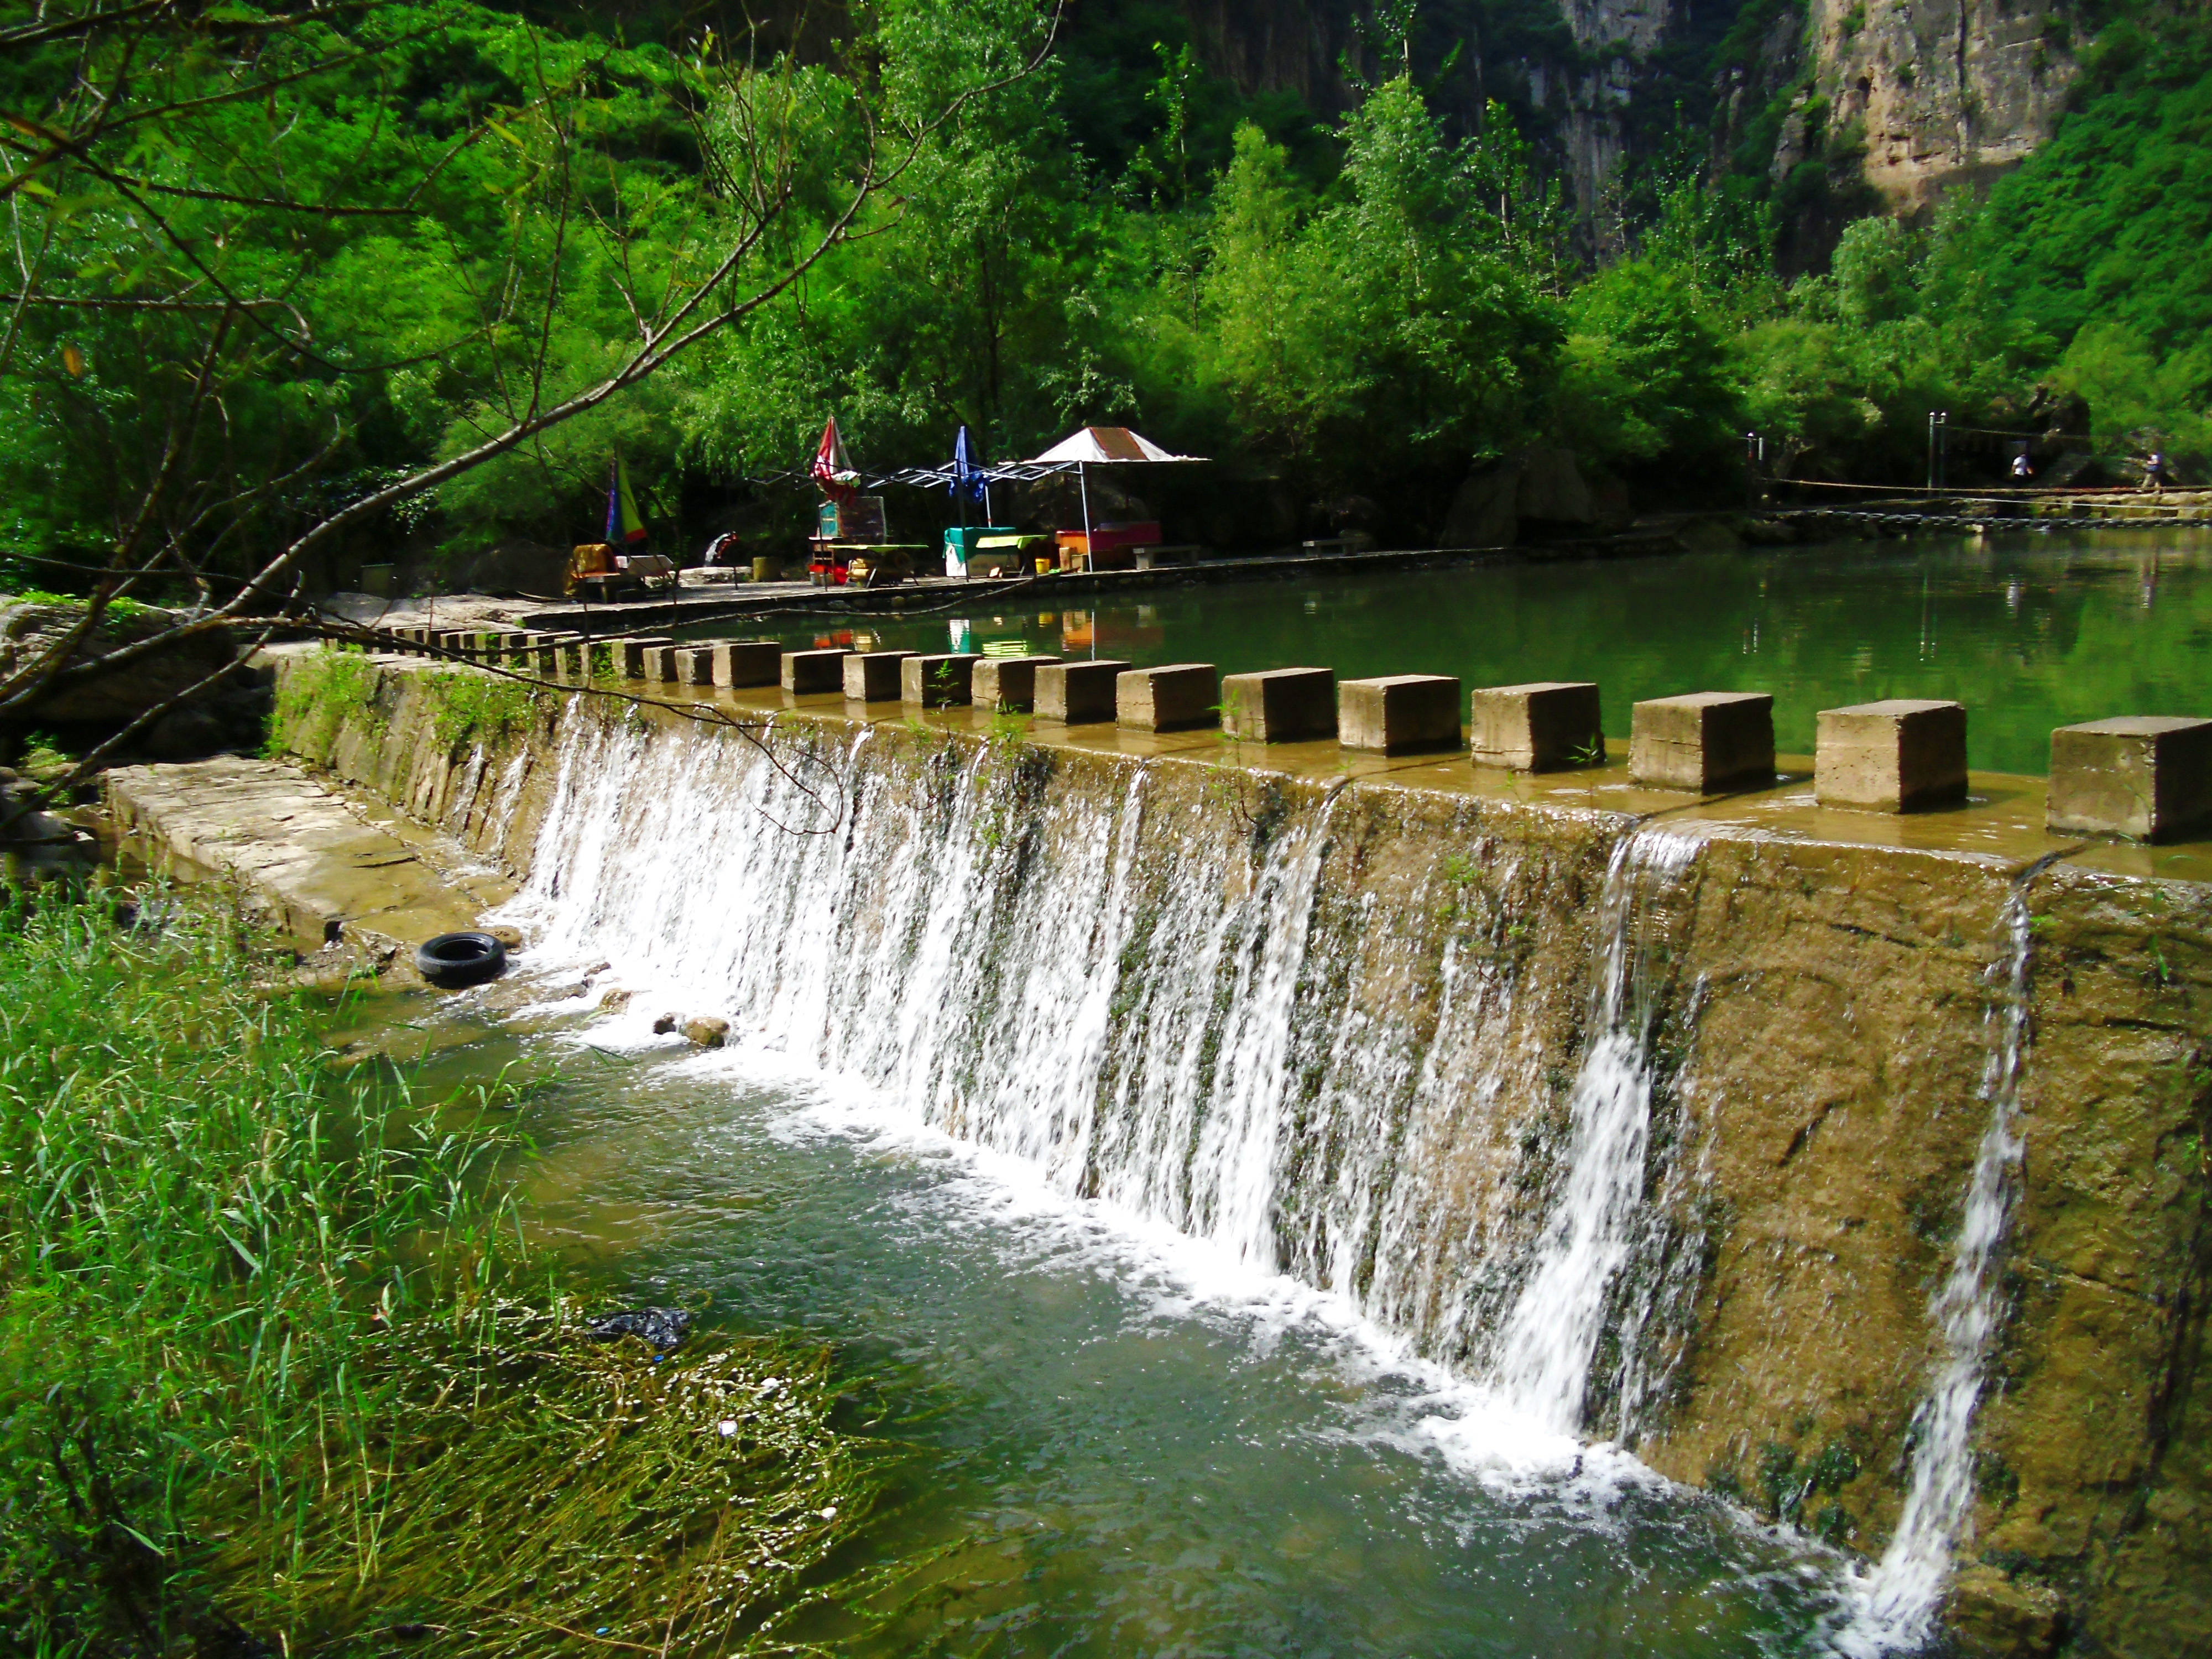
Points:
(1153, 1013)
(1148, 1021)
(1017, 995)
(1550, 1337)
(1388, 1393)
(1904, 1591)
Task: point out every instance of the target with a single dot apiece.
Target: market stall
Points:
(1108, 545)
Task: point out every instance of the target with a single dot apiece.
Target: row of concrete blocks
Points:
(657, 660)
(2147, 777)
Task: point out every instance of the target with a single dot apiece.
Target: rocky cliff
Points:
(1820, 97)
(1937, 92)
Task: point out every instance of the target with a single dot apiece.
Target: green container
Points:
(962, 540)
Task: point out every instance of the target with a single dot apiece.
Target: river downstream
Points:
(1137, 1446)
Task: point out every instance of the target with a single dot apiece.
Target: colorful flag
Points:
(830, 469)
(623, 524)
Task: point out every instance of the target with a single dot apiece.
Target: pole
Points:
(1083, 483)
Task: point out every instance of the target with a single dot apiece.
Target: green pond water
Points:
(1129, 1449)
(2030, 632)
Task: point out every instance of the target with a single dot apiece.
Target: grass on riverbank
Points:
(276, 1373)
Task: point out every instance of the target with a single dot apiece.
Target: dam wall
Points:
(1853, 1168)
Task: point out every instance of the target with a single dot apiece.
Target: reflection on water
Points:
(2030, 632)
(1137, 1448)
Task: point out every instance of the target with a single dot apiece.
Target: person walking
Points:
(2023, 472)
(2155, 471)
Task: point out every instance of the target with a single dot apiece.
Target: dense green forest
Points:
(271, 263)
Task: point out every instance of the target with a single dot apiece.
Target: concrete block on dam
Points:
(1546, 726)
(631, 658)
(1900, 755)
(1077, 693)
(740, 665)
(695, 664)
(874, 676)
(2142, 775)
(1006, 684)
(1705, 742)
(1178, 696)
(814, 674)
(944, 680)
(1399, 714)
(1279, 705)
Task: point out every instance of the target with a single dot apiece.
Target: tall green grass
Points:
(277, 1373)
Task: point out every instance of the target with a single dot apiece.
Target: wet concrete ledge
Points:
(330, 871)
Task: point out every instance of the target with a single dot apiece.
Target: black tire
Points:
(451, 961)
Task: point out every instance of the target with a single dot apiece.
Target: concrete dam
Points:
(1850, 1166)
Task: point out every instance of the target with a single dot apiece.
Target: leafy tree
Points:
(1393, 334)
(1646, 372)
(1252, 290)
(284, 274)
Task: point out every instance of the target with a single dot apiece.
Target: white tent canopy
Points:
(1102, 446)
(1105, 444)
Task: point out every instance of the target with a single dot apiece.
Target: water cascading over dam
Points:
(1698, 1138)
(1178, 1022)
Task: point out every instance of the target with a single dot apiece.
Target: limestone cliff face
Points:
(1615, 38)
(1285, 46)
(1939, 92)
(1911, 96)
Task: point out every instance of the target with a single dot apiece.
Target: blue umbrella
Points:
(968, 478)
(969, 482)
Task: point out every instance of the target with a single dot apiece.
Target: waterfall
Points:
(1905, 1590)
(1152, 996)
(1550, 1339)
(998, 970)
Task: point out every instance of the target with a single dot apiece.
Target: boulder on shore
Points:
(1538, 487)
(29, 629)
